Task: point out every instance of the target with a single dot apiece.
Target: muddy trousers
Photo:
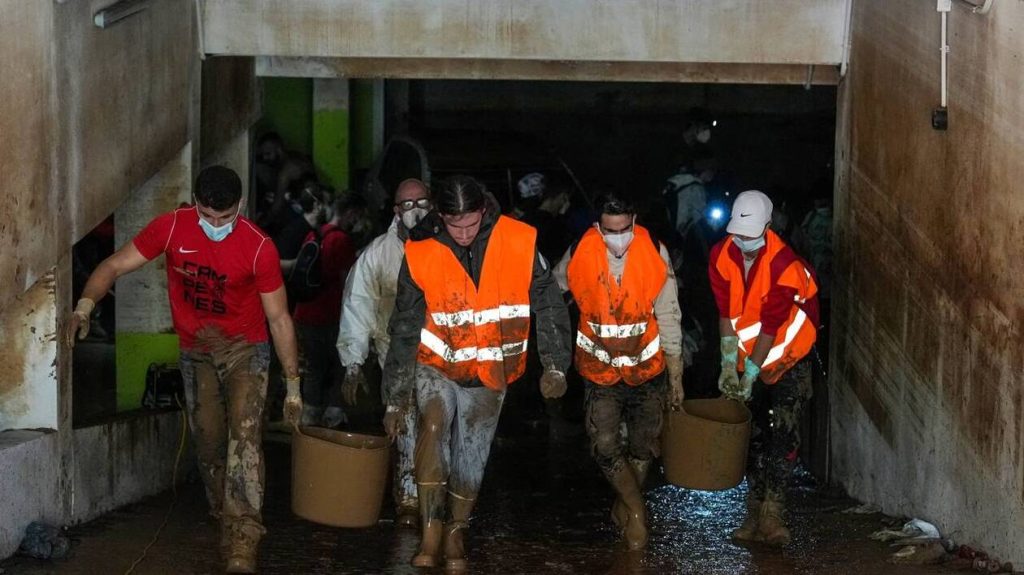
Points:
(641, 408)
(225, 392)
(405, 478)
(775, 431)
(456, 426)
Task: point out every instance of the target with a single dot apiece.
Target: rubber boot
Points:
(748, 531)
(454, 533)
(432, 524)
(771, 525)
(635, 530)
(245, 539)
(640, 468)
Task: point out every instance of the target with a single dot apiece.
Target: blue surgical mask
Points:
(217, 233)
(748, 246)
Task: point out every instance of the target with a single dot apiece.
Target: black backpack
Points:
(305, 279)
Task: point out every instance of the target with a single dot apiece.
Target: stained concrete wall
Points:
(29, 490)
(733, 31)
(928, 406)
(125, 460)
(28, 354)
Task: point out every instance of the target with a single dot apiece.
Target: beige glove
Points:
(78, 323)
(674, 364)
(293, 401)
(729, 380)
(355, 380)
(553, 384)
(394, 421)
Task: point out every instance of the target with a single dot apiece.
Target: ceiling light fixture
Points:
(118, 11)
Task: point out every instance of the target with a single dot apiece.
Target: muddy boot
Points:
(454, 533)
(635, 530)
(771, 525)
(640, 468)
(749, 530)
(432, 524)
(245, 539)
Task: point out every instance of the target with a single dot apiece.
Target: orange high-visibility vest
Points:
(617, 339)
(477, 332)
(796, 336)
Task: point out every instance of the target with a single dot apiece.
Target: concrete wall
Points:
(125, 460)
(29, 490)
(928, 406)
(28, 354)
(732, 31)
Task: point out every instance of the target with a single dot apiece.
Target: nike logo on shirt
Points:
(184, 251)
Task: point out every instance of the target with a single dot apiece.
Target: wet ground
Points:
(543, 509)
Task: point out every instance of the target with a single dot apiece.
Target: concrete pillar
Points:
(367, 122)
(29, 392)
(331, 131)
(235, 154)
(145, 333)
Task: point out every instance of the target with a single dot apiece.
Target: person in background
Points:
(316, 320)
(767, 300)
(367, 304)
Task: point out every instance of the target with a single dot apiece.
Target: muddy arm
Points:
(404, 327)
(553, 325)
(275, 306)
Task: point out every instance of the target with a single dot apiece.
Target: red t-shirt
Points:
(213, 284)
(338, 255)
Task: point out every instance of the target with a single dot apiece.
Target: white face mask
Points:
(704, 136)
(412, 217)
(748, 246)
(617, 244)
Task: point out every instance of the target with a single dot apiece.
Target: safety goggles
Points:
(407, 205)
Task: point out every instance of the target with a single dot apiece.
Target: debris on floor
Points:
(44, 541)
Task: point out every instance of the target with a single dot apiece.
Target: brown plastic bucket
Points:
(338, 477)
(704, 444)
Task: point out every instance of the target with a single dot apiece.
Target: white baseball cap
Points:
(751, 212)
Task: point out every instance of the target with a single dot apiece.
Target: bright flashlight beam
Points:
(716, 214)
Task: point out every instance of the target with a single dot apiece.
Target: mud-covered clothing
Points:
(337, 254)
(322, 373)
(213, 284)
(775, 297)
(456, 428)
(407, 322)
(775, 431)
(225, 390)
(640, 408)
(686, 199)
(366, 309)
(617, 338)
(666, 305)
(369, 298)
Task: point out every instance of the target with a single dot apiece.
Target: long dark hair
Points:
(459, 195)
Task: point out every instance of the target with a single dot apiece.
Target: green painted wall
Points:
(331, 147)
(288, 110)
(133, 354)
(362, 100)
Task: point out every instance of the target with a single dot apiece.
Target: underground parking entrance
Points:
(544, 506)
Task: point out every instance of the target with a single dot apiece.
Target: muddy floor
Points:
(543, 509)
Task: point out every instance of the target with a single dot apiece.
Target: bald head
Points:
(410, 194)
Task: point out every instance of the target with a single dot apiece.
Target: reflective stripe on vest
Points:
(796, 335)
(617, 339)
(475, 331)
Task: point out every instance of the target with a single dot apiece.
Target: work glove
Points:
(750, 372)
(293, 401)
(729, 379)
(78, 323)
(674, 364)
(355, 380)
(394, 421)
(552, 384)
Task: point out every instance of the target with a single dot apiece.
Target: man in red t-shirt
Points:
(224, 284)
(317, 320)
